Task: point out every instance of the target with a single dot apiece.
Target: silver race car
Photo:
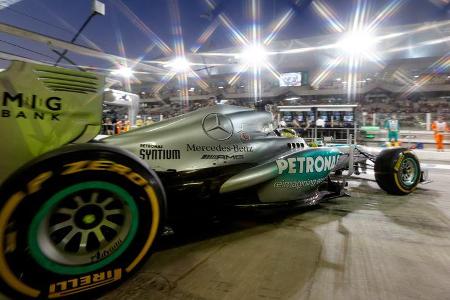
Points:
(77, 217)
(234, 154)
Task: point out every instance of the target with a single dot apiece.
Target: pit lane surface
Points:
(368, 246)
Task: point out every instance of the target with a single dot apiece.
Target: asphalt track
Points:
(367, 246)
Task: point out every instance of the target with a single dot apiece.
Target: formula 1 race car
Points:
(77, 217)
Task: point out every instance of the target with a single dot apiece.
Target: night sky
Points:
(62, 18)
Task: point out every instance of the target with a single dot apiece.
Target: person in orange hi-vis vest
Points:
(119, 125)
(126, 126)
(439, 127)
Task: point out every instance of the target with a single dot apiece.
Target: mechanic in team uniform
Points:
(439, 127)
(393, 128)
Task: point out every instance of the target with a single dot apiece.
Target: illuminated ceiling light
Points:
(179, 65)
(254, 56)
(357, 42)
(123, 72)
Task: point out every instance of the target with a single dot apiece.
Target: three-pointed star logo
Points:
(217, 126)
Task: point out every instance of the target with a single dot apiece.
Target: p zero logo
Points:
(302, 165)
(79, 284)
(18, 107)
(98, 165)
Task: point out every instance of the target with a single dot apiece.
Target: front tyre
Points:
(77, 221)
(397, 171)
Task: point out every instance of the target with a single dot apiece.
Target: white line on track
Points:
(424, 166)
(436, 166)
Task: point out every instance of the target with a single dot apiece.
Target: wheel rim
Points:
(408, 171)
(83, 227)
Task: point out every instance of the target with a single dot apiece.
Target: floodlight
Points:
(254, 55)
(98, 7)
(179, 64)
(123, 72)
(357, 42)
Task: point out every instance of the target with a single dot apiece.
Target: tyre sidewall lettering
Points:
(389, 173)
(399, 161)
(46, 177)
(405, 188)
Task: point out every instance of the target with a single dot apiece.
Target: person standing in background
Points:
(126, 125)
(139, 121)
(393, 129)
(295, 123)
(109, 126)
(282, 124)
(439, 127)
(119, 125)
(149, 121)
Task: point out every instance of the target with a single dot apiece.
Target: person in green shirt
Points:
(393, 128)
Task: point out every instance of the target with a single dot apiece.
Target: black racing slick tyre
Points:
(77, 222)
(397, 171)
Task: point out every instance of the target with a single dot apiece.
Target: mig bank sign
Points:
(20, 106)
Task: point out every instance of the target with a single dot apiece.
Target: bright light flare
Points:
(255, 56)
(143, 27)
(123, 71)
(237, 35)
(358, 43)
(329, 15)
(179, 65)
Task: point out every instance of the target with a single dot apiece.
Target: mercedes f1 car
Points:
(77, 217)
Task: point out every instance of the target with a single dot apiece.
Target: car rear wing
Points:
(43, 108)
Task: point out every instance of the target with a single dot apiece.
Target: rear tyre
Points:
(397, 171)
(76, 222)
